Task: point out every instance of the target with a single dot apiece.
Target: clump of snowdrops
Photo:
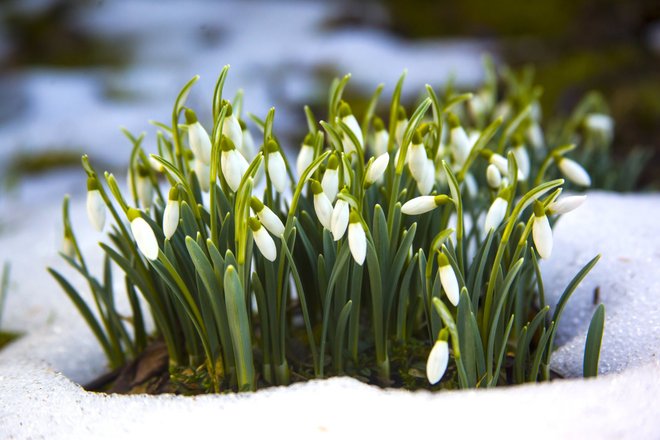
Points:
(402, 251)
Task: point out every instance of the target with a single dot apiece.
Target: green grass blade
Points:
(592, 345)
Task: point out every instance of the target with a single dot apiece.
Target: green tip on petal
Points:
(344, 110)
(401, 114)
(92, 183)
(442, 260)
(453, 120)
(378, 124)
(539, 210)
(227, 144)
(271, 146)
(191, 117)
(333, 162)
(316, 186)
(417, 138)
(256, 204)
(354, 217)
(174, 193)
(254, 224)
(309, 139)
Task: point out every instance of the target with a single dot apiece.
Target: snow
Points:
(39, 397)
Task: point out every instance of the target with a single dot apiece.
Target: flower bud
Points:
(171, 213)
(417, 157)
(459, 141)
(381, 137)
(401, 125)
(330, 180)
(145, 189)
(566, 204)
(339, 219)
(522, 159)
(573, 171)
(249, 149)
(231, 128)
(436, 365)
(198, 138)
(377, 168)
(600, 124)
(423, 204)
(357, 240)
(425, 185)
(493, 176)
(496, 213)
(541, 231)
(233, 164)
(267, 217)
(203, 173)
(322, 205)
(347, 118)
(262, 239)
(276, 166)
(143, 234)
(535, 136)
(306, 155)
(95, 204)
(448, 279)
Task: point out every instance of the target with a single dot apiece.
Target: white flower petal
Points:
(271, 221)
(249, 149)
(495, 214)
(330, 183)
(145, 191)
(68, 247)
(145, 238)
(535, 136)
(436, 365)
(265, 243)
(417, 161)
(354, 126)
(501, 163)
(323, 208)
(232, 129)
(381, 138)
(566, 204)
(425, 185)
(234, 166)
(574, 172)
(357, 242)
(377, 168)
(460, 144)
(449, 283)
(199, 142)
(96, 209)
(277, 171)
(419, 205)
(493, 176)
(203, 173)
(522, 159)
(542, 234)
(339, 219)
(305, 158)
(170, 218)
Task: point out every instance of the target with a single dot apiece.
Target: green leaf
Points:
(594, 339)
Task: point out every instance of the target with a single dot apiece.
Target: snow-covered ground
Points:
(39, 397)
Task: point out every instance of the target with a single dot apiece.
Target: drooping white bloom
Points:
(502, 165)
(203, 173)
(198, 138)
(381, 137)
(522, 159)
(322, 205)
(541, 232)
(276, 167)
(566, 204)
(401, 125)
(377, 168)
(574, 172)
(535, 136)
(339, 219)
(145, 189)
(600, 124)
(448, 279)
(423, 204)
(95, 204)
(143, 234)
(249, 149)
(425, 185)
(267, 217)
(231, 128)
(357, 240)
(417, 157)
(493, 176)
(436, 365)
(68, 247)
(348, 118)
(233, 164)
(263, 240)
(305, 156)
(155, 165)
(471, 184)
(495, 214)
(330, 180)
(171, 213)
(459, 141)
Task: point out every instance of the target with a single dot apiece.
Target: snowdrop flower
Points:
(357, 240)
(262, 239)
(233, 164)
(423, 204)
(231, 128)
(493, 176)
(249, 149)
(535, 136)
(522, 159)
(203, 173)
(573, 171)
(95, 204)
(155, 165)
(541, 231)
(381, 137)
(600, 124)
(448, 279)
(566, 204)
(347, 118)
(322, 205)
(436, 365)
(143, 234)
(267, 217)
(171, 213)
(377, 168)
(425, 185)
(198, 138)
(471, 184)
(496, 213)
(401, 124)
(501, 163)
(339, 219)
(276, 166)
(306, 154)
(143, 186)
(417, 157)
(330, 180)
(460, 143)
(68, 247)
(502, 110)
